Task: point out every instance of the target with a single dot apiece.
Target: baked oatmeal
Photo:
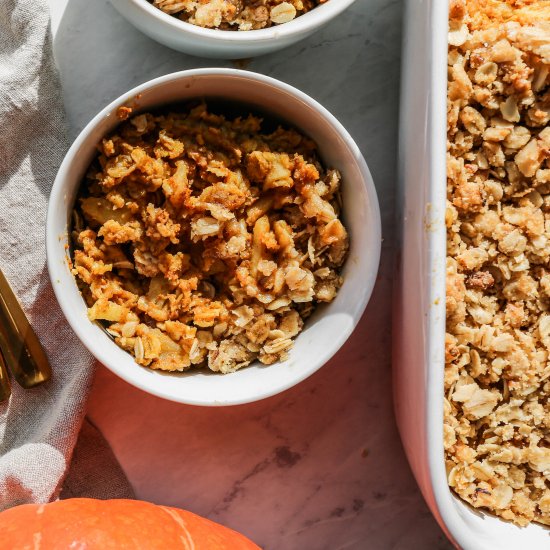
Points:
(242, 15)
(497, 375)
(204, 241)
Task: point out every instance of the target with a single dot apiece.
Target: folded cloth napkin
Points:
(38, 427)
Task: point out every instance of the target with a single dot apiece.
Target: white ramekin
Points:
(419, 320)
(188, 38)
(325, 331)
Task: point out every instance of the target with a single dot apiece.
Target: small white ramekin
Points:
(192, 39)
(330, 325)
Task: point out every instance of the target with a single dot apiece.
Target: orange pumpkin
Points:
(88, 524)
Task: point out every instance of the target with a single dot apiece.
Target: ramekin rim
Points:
(52, 239)
(312, 19)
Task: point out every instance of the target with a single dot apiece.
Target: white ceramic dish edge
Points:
(182, 36)
(314, 346)
(419, 321)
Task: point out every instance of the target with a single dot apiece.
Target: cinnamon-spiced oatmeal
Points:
(242, 15)
(204, 241)
(497, 375)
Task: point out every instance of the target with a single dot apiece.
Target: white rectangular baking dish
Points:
(419, 316)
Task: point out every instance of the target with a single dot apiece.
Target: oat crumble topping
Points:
(497, 374)
(203, 241)
(242, 15)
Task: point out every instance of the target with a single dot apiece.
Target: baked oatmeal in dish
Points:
(206, 241)
(242, 15)
(497, 377)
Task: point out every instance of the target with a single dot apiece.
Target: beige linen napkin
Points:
(38, 427)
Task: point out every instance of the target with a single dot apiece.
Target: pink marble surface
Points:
(318, 467)
(321, 465)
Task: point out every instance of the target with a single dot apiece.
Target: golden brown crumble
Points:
(497, 375)
(242, 15)
(202, 241)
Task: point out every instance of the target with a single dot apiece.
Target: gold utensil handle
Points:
(22, 351)
(5, 386)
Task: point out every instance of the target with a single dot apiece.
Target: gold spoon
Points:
(22, 352)
(5, 386)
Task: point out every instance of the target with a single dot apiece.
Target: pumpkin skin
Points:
(89, 524)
